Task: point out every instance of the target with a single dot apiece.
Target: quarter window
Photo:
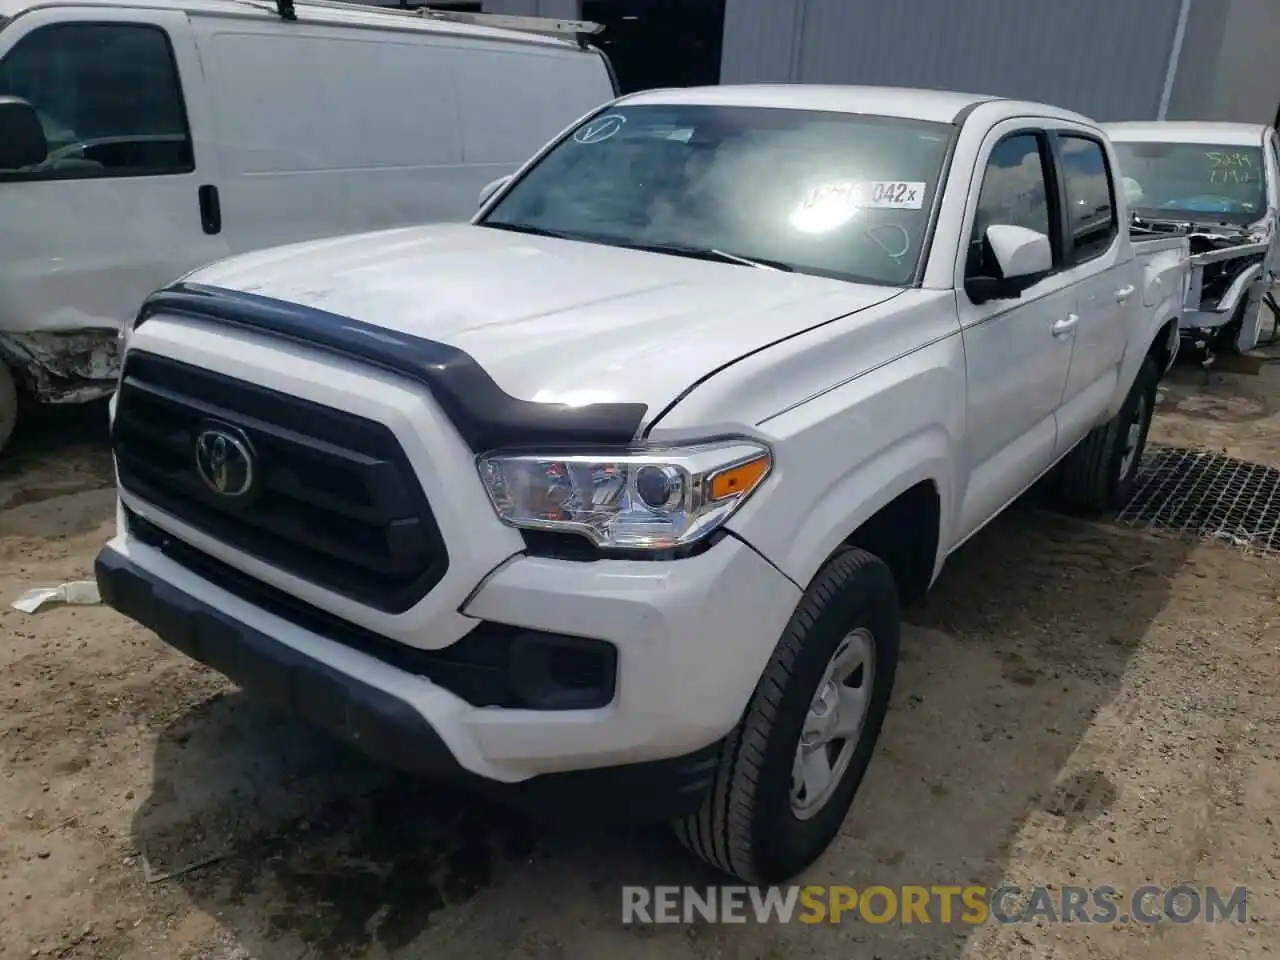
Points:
(1014, 192)
(108, 97)
(1091, 202)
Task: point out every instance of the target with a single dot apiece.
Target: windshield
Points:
(833, 194)
(1177, 179)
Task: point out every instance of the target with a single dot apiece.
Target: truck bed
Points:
(1162, 262)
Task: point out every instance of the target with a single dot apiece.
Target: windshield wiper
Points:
(709, 253)
(753, 261)
(675, 249)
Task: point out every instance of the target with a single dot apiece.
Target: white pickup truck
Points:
(609, 499)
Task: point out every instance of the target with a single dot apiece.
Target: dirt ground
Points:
(1078, 704)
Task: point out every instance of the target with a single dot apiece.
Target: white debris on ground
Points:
(80, 593)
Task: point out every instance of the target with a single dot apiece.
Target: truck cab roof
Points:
(937, 106)
(1188, 131)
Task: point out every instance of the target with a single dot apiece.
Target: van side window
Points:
(108, 97)
(1091, 201)
(1014, 192)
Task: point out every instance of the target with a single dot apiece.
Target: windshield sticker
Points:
(869, 195)
(1229, 167)
(600, 130)
(893, 194)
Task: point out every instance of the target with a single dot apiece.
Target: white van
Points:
(140, 139)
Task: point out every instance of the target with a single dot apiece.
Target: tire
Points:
(1223, 340)
(8, 405)
(1098, 476)
(748, 826)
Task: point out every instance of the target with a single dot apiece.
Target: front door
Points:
(1017, 351)
(126, 200)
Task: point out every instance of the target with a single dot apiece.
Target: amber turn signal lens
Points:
(738, 480)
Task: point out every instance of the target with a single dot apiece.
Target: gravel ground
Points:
(1078, 704)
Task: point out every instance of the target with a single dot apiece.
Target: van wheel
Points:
(1098, 475)
(8, 405)
(789, 771)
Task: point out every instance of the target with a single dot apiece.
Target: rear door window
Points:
(1090, 197)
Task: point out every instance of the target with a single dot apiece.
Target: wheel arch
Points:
(904, 533)
(906, 483)
(1164, 345)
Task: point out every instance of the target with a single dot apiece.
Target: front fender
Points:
(857, 496)
(843, 456)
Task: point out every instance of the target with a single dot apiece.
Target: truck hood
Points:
(550, 320)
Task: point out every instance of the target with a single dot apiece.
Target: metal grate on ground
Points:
(1208, 496)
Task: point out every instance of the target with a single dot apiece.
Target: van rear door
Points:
(127, 198)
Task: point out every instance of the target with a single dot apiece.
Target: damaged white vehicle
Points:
(1218, 184)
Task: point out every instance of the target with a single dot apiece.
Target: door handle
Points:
(1124, 293)
(210, 209)
(1064, 326)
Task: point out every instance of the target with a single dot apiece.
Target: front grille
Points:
(334, 503)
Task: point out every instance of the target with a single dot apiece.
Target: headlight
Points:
(652, 499)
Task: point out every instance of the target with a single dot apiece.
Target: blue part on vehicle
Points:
(1202, 205)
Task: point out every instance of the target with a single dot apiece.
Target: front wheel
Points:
(789, 771)
(1099, 474)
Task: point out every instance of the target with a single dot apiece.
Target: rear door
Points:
(126, 200)
(1099, 265)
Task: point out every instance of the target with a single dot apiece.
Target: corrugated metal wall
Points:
(1230, 63)
(1104, 58)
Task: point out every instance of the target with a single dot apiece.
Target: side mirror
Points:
(1020, 256)
(22, 141)
(491, 188)
(1020, 253)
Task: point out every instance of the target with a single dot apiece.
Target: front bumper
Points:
(71, 366)
(693, 637)
(375, 721)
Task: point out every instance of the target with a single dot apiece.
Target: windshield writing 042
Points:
(1194, 178)
(832, 194)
